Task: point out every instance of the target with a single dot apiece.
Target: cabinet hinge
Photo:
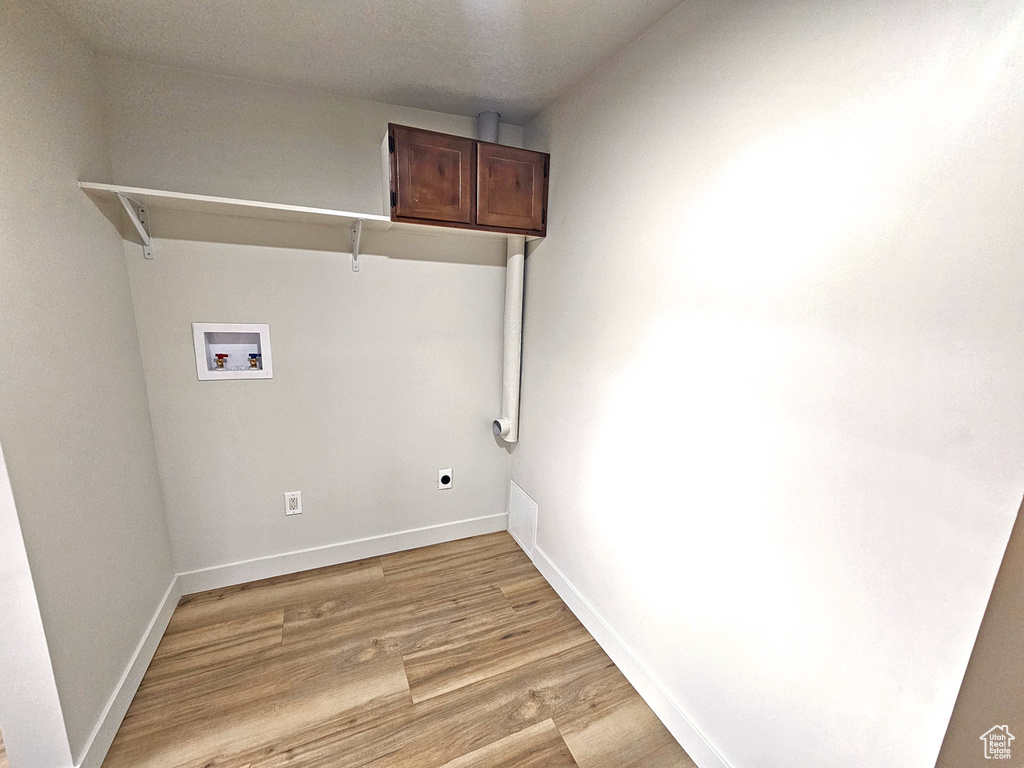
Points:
(391, 144)
(394, 199)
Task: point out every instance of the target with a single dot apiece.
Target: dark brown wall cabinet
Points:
(451, 181)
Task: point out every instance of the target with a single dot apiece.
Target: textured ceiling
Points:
(457, 56)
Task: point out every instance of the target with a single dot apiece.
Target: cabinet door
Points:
(512, 187)
(433, 175)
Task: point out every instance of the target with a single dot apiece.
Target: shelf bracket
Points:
(357, 232)
(140, 220)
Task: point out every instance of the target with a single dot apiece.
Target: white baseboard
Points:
(697, 746)
(103, 734)
(258, 568)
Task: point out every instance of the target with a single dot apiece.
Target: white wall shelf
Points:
(136, 199)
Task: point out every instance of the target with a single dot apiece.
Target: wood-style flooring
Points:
(453, 656)
(3, 754)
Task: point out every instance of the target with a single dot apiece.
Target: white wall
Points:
(30, 710)
(187, 131)
(380, 377)
(73, 415)
(771, 383)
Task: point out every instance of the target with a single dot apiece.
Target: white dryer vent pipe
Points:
(487, 126)
(507, 425)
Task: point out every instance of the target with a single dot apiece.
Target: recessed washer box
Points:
(235, 344)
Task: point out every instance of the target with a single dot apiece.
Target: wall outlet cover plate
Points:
(444, 479)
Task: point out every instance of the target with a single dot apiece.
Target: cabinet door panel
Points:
(433, 175)
(511, 187)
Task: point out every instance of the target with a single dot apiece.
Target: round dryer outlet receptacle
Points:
(444, 479)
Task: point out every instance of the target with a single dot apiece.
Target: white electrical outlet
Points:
(444, 479)
(293, 503)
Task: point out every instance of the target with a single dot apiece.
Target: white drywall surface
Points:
(73, 414)
(30, 713)
(187, 131)
(772, 391)
(381, 377)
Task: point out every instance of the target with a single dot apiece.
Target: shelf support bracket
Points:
(357, 232)
(140, 220)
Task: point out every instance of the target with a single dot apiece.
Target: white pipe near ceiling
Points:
(487, 126)
(507, 426)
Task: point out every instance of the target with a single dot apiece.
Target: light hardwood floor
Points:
(453, 656)
(3, 754)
